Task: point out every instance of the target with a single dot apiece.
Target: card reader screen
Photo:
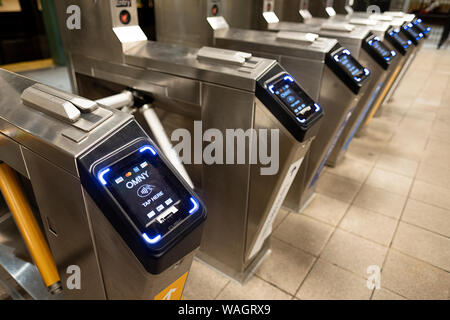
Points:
(399, 39)
(293, 97)
(381, 49)
(410, 30)
(142, 190)
(351, 66)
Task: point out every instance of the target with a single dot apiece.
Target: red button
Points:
(214, 10)
(125, 17)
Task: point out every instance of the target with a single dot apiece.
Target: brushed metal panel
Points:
(60, 200)
(10, 154)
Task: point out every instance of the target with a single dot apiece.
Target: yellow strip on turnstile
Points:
(28, 65)
(28, 227)
(383, 95)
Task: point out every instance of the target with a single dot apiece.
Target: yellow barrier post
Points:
(29, 228)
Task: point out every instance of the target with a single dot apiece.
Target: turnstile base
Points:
(239, 277)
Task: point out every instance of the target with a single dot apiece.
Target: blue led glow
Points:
(101, 175)
(151, 240)
(419, 20)
(366, 71)
(393, 53)
(148, 148)
(336, 57)
(357, 79)
(317, 107)
(196, 205)
(301, 120)
(428, 29)
(409, 42)
(289, 78)
(347, 52)
(271, 88)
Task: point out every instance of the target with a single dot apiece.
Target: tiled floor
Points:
(388, 205)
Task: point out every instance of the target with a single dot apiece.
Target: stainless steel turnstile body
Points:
(305, 61)
(187, 87)
(44, 150)
(353, 40)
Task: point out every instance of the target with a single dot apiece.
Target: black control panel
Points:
(411, 33)
(298, 102)
(347, 68)
(144, 198)
(379, 51)
(290, 104)
(420, 27)
(398, 40)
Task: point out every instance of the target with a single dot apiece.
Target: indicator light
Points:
(196, 205)
(148, 148)
(101, 175)
(151, 240)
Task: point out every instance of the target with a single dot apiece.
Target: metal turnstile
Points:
(208, 94)
(308, 58)
(93, 179)
(356, 39)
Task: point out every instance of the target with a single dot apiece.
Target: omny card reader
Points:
(149, 205)
(108, 199)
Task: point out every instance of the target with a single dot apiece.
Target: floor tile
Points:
(286, 267)
(282, 214)
(362, 153)
(389, 181)
(423, 244)
(369, 225)
(427, 216)
(353, 253)
(403, 166)
(414, 279)
(436, 175)
(254, 289)
(304, 233)
(326, 209)
(431, 194)
(352, 169)
(203, 282)
(381, 201)
(383, 294)
(337, 187)
(327, 281)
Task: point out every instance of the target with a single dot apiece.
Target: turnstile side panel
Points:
(261, 197)
(225, 187)
(10, 154)
(61, 204)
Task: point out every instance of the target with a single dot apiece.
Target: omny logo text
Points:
(234, 146)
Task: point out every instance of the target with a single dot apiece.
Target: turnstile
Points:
(308, 58)
(357, 41)
(212, 95)
(119, 220)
